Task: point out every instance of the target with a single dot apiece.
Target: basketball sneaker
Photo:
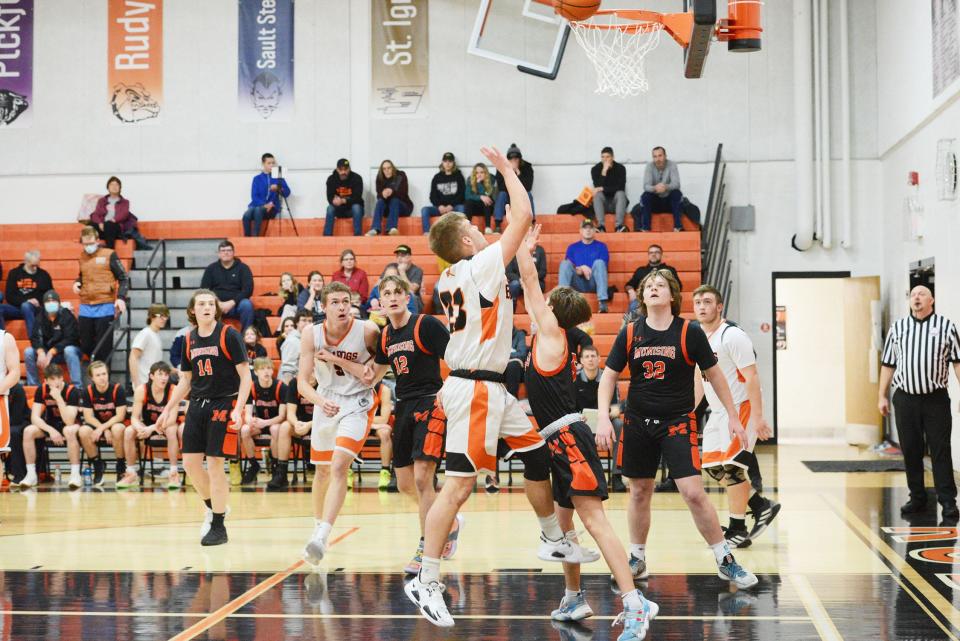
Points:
(736, 538)
(429, 598)
(130, 479)
(384, 481)
(639, 568)
(173, 481)
(764, 517)
(589, 556)
(636, 623)
(74, 483)
(315, 548)
(734, 572)
(450, 547)
(413, 567)
(208, 520)
(572, 608)
(216, 536)
(562, 551)
(99, 469)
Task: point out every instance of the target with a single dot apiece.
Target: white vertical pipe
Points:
(846, 203)
(817, 115)
(826, 196)
(803, 121)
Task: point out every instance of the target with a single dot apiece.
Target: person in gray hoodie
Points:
(290, 347)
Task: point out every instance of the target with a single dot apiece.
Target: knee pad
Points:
(536, 464)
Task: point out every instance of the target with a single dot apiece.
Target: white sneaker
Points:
(30, 480)
(75, 481)
(589, 555)
(573, 608)
(429, 598)
(208, 520)
(562, 551)
(315, 548)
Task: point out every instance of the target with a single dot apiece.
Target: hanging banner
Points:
(400, 58)
(16, 63)
(135, 59)
(265, 86)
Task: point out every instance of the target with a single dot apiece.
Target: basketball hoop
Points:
(617, 42)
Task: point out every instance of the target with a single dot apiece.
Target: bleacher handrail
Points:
(159, 270)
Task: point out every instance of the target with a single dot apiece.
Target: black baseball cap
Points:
(343, 163)
(588, 222)
(402, 249)
(449, 156)
(51, 295)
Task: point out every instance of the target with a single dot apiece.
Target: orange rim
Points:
(678, 25)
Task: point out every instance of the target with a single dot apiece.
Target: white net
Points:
(617, 48)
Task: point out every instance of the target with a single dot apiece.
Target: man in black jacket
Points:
(654, 261)
(232, 281)
(345, 198)
(26, 285)
(524, 172)
(513, 274)
(609, 188)
(55, 339)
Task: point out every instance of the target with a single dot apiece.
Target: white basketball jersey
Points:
(352, 347)
(479, 312)
(734, 352)
(3, 357)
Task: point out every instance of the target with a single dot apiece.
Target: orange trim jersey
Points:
(734, 352)
(351, 347)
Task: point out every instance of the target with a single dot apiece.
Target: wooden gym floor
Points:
(838, 563)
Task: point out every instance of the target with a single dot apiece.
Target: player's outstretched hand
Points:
(496, 158)
(532, 238)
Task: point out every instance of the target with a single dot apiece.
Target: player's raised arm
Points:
(519, 211)
(533, 298)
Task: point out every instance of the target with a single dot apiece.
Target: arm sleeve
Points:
(618, 180)
(487, 270)
(889, 357)
(120, 274)
(740, 348)
(673, 177)
(604, 253)
(235, 347)
(617, 358)
(698, 348)
(284, 187)
(402, 185)
(176, 351)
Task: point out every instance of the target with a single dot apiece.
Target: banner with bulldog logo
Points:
(265, 79)
(135, 59)
(16, 63)
(400, 58)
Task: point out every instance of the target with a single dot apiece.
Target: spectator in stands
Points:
(299, 423)
(447, 191)
(56, 406)
(351, 275)
(102, 286)
(392, 199)
(513, 274)
(289, 293)
(654, 261)
(104, 413)
(609, 190)
(587, 382)
(26, 285)
(480, 196)
(176, 348)
(265, 191)
(147, 347)
(55, 339)
(149, 400)
(661, 192)
(266, 412)
(19, 414)
(412, 274)
(309, 298)
(513, 374)
(585, 265)
(112, 218)
(290, 348)
(345, 198)
(254, 344)
(232, 281)
(524, 171)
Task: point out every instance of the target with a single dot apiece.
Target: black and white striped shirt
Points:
(921, 353)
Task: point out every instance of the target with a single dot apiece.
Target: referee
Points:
(916, 359)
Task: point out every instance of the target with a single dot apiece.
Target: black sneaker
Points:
(666, 486)
(392, 486)
(250, 476)
(737, 538)
(622, 228)
(279, 481)
(618, 485)
(601, 228)
(949, 513)
(913, 506)
(99, 468)
(763, 517)
(491, 485)
(216, 536)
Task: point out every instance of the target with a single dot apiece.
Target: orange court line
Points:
(226, 610)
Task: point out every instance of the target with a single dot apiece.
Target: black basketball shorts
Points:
(643, 440)
(208, 428)
(575, 465)
(419, 431)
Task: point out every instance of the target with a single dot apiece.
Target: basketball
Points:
(576, 10)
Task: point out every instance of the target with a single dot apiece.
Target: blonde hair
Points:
(296, 286)
(487, 182)
(262, 363)
(675, 298)
(445, 237)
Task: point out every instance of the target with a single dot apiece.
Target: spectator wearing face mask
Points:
(55, 339)
(102, 286)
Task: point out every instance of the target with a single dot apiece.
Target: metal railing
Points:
(714, 237)
(124, 338)
(159, 270)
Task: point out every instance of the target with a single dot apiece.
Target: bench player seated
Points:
(56, 407)
(149, 400)
(298, 424)
(104, 413)
(266, 414)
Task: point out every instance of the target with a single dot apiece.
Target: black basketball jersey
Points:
(104, 404)
(552, 394)
(266, 401)
(213, 362)
(304, 407)
(51, 411)
(152, 407)
(414, 352)
(661, 365)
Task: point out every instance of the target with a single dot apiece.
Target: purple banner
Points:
(16, 62)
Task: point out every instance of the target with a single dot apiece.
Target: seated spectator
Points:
(373, 303)
(513, 274)
(290, 347)
(265, 192)
(26, 285)
(513, 374)
(19, 414)
(299, 423)
(176, 349)
(661, 192)
(309, 298)
(149, 400)
(266, 412)
(351, 275)
(56, 407)
(112, 218)
(345, 198)
(609, 190)
(524, 170)
(55, 339)
(254, 344)
(587, 383)
(289, 294)
(654, 261)
(480, 196)
(392, 199)
(585, 265)
(409, 271)
(232, 281)
(447, 191)
(102, 286)
(104, 413)
(147, 347)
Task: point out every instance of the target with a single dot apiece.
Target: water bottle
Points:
(87, 477)
(266, 455)
(56, 475)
